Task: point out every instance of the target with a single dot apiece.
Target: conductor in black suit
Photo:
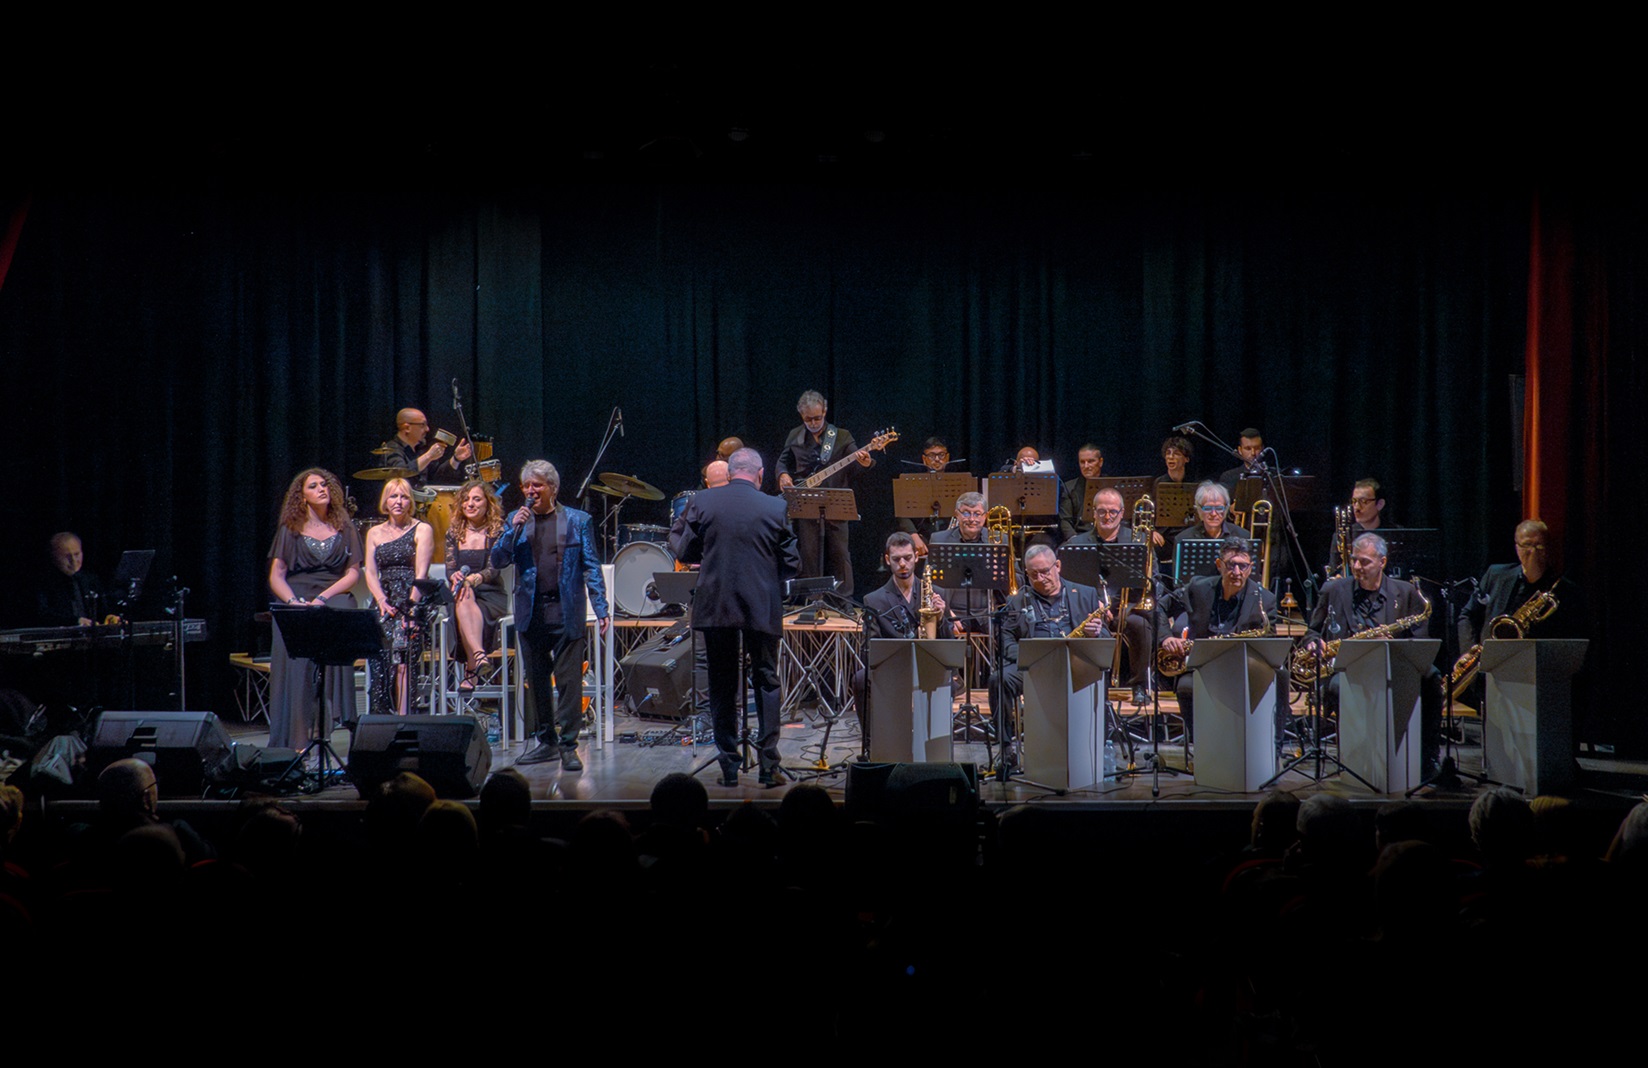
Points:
(746, 552)
(1212, 606)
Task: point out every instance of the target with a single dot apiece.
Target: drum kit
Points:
(435, 505)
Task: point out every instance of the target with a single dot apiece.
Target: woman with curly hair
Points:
(315, 557)
(481, 600)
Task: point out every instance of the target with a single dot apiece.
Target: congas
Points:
(632, 570)
(438, 512)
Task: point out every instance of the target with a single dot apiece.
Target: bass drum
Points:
(630, 533)
(632, 571)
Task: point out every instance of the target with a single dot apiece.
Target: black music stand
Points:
(1131, 487)
(1199, 557)
(1024, 495)
(1175, 501)
(327, 637)
(930, 495)
(981, 565)
(679, 587)
(822, 505)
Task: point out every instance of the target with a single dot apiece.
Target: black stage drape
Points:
(173, 358)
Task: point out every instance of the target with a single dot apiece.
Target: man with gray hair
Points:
(746, 551)
(811, 447)
(553, 549)
(1370, 598)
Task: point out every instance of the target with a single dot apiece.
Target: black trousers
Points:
(727, 691)
(559, 651)
(838, 559)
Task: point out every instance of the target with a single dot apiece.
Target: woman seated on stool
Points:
(481, 601)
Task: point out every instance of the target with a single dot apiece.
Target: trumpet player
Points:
(1367, 599)
(1049, 608)
(1212, 606)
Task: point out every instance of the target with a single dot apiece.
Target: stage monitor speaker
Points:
(897, 791)
(448, 752)
(187, 749)
(658, 675)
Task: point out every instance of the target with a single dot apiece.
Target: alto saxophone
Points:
(1097, 613)
(1535, 609)
(1171, 665)
(1306, 667)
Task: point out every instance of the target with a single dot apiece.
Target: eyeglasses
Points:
(1238, 565)
(1210, 508)
(1038, 572)
(1361, 500)
(1108, 513)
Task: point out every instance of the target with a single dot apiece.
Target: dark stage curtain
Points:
(174, 359)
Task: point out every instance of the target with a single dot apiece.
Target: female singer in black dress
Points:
(315, 558)
(481, 601)
(398, 552)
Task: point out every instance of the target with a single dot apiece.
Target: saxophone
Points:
(1306, 667)
(1172, 665)
(1097, 613)
(1535, 609)
(929, 614)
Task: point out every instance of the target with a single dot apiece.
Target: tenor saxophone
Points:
(1171, 665)
(1306, 667)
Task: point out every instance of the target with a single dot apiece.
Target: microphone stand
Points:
(615, 426)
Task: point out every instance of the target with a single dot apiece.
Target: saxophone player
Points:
(894, 610)
(1049, 608)
(1506, 587)
(1211, 606)
(1367, 599)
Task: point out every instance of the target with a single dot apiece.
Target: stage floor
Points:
(623, 772)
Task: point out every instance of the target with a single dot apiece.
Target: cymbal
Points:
(383, 450)
(596, 487)
(382, 474)
(631, 486)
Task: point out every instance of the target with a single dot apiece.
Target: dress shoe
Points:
(542, 753)
(569, 759)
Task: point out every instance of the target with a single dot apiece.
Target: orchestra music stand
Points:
(327, 637)
(1115, 567)
(1175, 501)
(980, 565)
(823, 505)
(930, 495)
(1199, 557)
(1023, 495)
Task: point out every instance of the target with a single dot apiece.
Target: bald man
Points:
(411, 428)
(68, 593)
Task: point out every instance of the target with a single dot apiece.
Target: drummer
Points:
(411, 428)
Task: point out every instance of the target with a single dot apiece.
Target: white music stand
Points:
(1235, 691)
(1064, 688)
(911, 706)
(1379, 735)
(1528, 717)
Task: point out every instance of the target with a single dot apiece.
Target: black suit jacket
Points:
(1082, 601)
(1401, 600)
(1073, 518)
(1195, 599)
(747, 552)
(1493, 598)
(888, 615)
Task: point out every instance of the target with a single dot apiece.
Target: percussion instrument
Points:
(632, 571)
(630, 533)
(630, 486)
(678, 503)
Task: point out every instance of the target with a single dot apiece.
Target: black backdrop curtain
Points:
(173, 359)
